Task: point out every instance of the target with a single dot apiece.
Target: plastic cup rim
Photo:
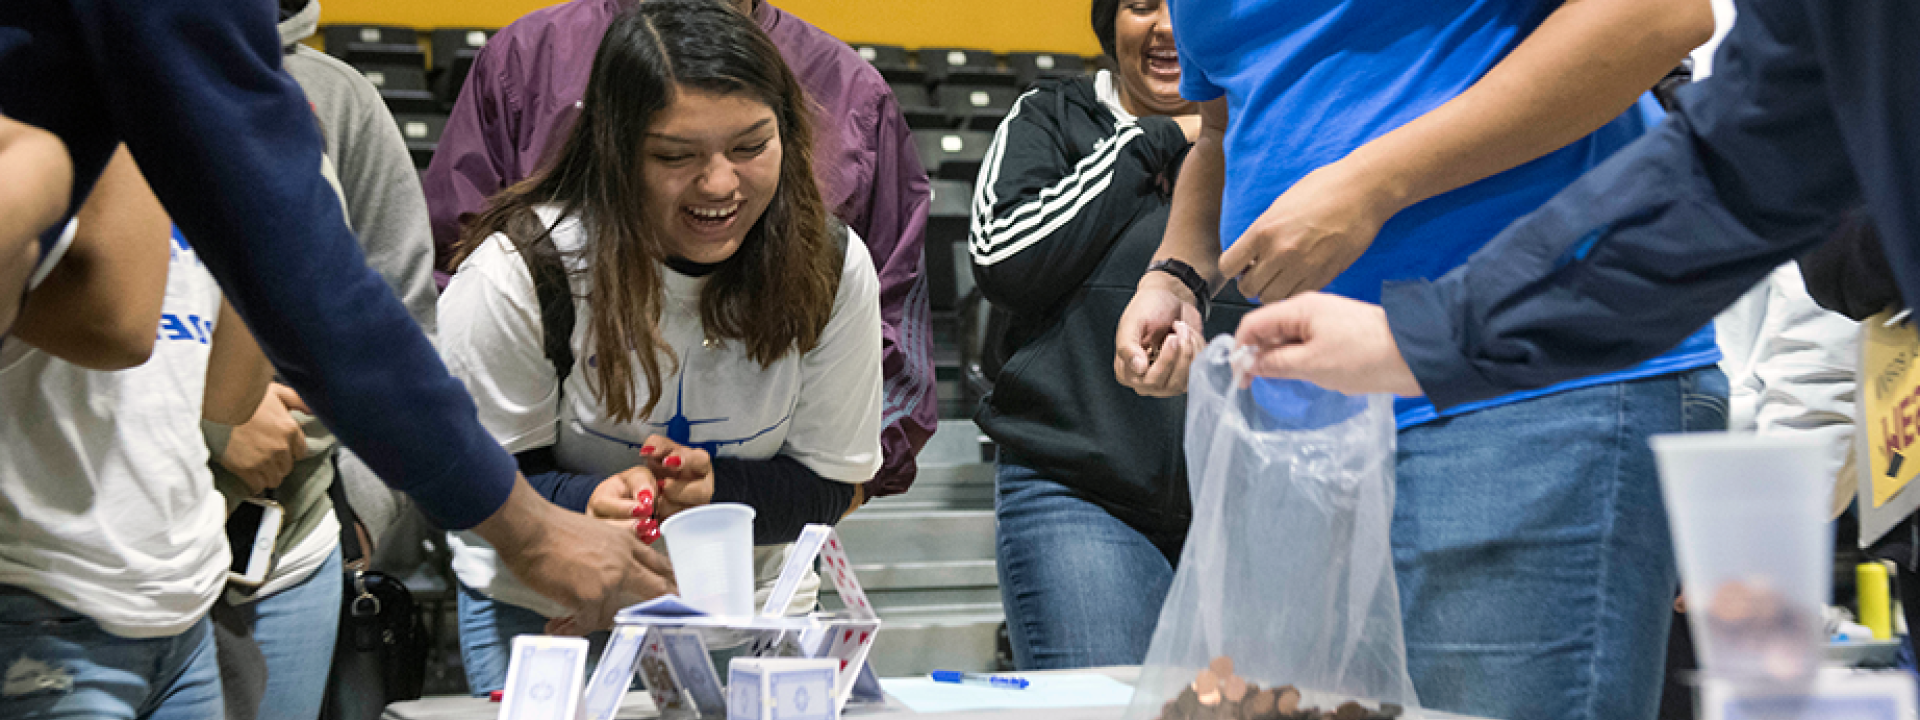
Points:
(714, 508)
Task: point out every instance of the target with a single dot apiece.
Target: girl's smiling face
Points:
(711, 164)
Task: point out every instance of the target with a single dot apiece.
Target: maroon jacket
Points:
(523, 90)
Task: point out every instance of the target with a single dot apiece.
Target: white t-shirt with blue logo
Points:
(821, 409)
(106, 502)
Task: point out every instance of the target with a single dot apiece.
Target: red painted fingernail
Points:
(673, 462)
(646, 450)
(649, 531)
(495, 696)
(645, 507)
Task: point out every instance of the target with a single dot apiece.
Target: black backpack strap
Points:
(555, 293)
(841, 235)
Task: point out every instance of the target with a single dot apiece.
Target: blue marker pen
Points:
(999, 681)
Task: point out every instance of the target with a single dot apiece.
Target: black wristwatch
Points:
(1189, 277)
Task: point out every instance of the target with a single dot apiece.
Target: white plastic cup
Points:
(711, 547)
(1749, 527)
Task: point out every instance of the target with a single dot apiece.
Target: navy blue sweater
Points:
(1812, 112)
(195, 90)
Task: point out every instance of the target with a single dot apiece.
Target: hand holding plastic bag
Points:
(1287, 568)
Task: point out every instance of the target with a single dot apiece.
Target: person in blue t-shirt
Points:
(1351, 143)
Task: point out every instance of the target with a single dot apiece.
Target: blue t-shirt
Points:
(1309, 81)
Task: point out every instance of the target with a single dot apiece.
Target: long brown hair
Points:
(775, 294)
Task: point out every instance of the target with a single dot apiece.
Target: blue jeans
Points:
(1081, 588)
(487, 629)
(295, 629)
(61, 664)
(1536, 570)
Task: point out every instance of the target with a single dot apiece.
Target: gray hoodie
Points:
(385, 208)
(384, 204)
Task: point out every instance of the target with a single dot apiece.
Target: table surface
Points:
(638, 706)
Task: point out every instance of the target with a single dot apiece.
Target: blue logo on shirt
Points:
(679, 427)
(186, 327)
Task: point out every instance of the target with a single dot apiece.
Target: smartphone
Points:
(251, 531)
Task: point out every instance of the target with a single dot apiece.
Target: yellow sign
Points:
(1890, 393)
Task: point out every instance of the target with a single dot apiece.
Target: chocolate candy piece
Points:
(1286, 700)
(1234, 689)
(1259, 705)
(1350, 711)
(1207, 686)
(1221, 666)
(1185, 706)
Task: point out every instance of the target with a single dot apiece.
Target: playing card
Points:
(833, 559)
(849, 644)
(694, 668)
(656, 670)
(766, 643)
(799, 559)
(613, 676)
(544, 677)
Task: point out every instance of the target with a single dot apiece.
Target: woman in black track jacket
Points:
(1070, 205)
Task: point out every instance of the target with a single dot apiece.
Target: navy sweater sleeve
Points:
(1756, 165)
(226, 140)
(570, 490)
(786, 496)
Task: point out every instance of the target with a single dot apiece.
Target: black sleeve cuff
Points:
(785, 495)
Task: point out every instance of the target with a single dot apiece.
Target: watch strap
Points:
(1180, 270)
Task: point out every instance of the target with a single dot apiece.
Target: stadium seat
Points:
(453, 53)
(362, 45)
(963, 65)
(977, 107)
(947, 223)
(422, 133)
(1030, 66)
(952, 154)
(403, 88)
(891, 61)
(919, 108)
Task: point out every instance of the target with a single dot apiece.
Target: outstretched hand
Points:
(592, 567)
(1334, 342)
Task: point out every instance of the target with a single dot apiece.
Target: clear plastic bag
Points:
(1287, 568)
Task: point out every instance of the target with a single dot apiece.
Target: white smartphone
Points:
(251, 531)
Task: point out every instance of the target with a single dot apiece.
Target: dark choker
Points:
(690, 268)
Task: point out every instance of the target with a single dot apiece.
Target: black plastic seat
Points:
(964, 65)
(952, 154)
(977, 107)
(948, 220)
(403, 88)
(453, 53)
(892, 61)
(919, 108)
(362, 45)
(1030, 66)
(421, 131)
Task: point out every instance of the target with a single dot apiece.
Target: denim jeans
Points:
(1080, 587)
(295, 630)
(487, 629)
(1536, 570)
(61, 664)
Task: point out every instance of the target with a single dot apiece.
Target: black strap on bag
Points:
(380, 656)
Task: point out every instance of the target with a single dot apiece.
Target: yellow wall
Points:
(998, 25)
